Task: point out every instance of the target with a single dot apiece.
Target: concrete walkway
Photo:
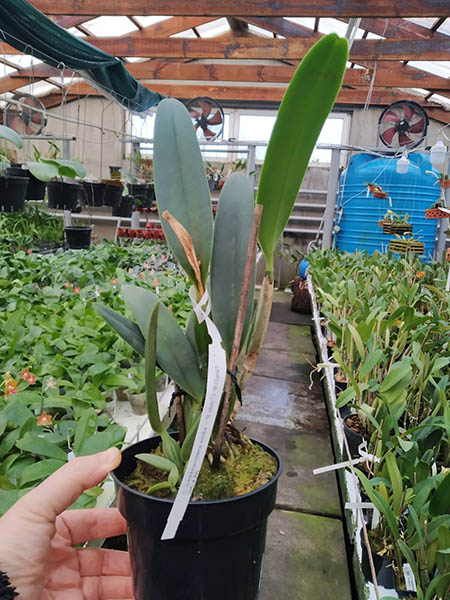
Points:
(305, 556)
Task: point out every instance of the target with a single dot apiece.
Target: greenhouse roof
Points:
(401, 50)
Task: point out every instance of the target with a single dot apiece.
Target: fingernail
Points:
(110, 458)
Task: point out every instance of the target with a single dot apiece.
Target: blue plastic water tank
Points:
(358, 214)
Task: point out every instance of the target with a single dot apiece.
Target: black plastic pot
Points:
(354, 440)
(12, 193)
(63, 195)
(113, 194)
(78, 238)
(383, 569)
(36, 188)
(218, 550)
(139, 191)
(125, 207)
(94, 193)
(150, 193)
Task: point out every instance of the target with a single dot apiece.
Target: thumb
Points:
(60, 490)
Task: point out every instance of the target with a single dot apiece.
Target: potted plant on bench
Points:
(54, 170)
(12, 188)
(216, 551)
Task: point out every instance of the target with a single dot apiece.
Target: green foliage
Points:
(305, 106)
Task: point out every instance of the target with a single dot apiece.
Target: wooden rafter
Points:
(387, 74)
(170, 27)
(380, 96)
(265, 48)
(232, 8)
(281, 26)
(399, 28)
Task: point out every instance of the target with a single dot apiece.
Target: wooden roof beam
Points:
(399, 29)
(170, 27)
(234, 8)
(265, 48)
(281, 26)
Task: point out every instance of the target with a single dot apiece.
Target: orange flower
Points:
(29, 251)
(44, 420)
(10, 385)
(67, 284)
(420, 274)
(155, 282)
(114, 281)
(26, 375)
(140, 275)
(76, 289)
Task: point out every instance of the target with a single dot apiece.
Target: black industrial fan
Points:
(207, 117)
(403, 123)
(28, 117)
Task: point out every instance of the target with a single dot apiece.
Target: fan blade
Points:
(194, 113)
(418, 126)
(206, 107)
(404, 140)
(36, 118)
(15, 122)
(216, 119)
(408, 110)
(197, 125)
(391, 117)
(29, 130)
(388, 135)
(208, 133)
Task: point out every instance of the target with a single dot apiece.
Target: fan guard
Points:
(24, 118)
(403, 123)
(207, 117)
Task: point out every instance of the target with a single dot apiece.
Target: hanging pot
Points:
(12, 193)
(217, 552)
(78, 238)
(63, 195)
(114, 172)
(113, 193)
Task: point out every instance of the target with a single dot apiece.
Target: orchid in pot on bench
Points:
(197, 501)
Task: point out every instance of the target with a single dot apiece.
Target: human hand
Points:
(36, 538)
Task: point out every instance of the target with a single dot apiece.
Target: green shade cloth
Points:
(28, 30)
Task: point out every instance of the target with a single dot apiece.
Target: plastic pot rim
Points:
(266, 447)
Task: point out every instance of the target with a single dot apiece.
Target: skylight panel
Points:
(374, 36)
(6, 70)
(445, 27)
(147, 21)
(436, 67)
(424, 21)
(76, 32)
(135, 59)
(214, 28)
(40, 88)
(332, 26)
(22, 60)
(188, 33)
(110, 26)
(305, 21)
(443, 99)
(259, 31)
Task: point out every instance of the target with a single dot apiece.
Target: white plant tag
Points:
(410, 580)
(135, 219)
(67, 218)
(217, 371)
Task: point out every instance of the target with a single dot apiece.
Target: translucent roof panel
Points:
(436, 67)
(374, 36)
(445, 27)
(213, 28)
(76, 32)
(443, 99)
(147, 21)
(187, 33)
(332, 26)
(6, 70)
(259, 31)
(424, 21)
(21, 60)
(40, 88)
(305, 21)
(134, 59)
(110, 26)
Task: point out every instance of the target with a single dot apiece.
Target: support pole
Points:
(66, 149)
(251, 163)
(333, 182)
(442, 227)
